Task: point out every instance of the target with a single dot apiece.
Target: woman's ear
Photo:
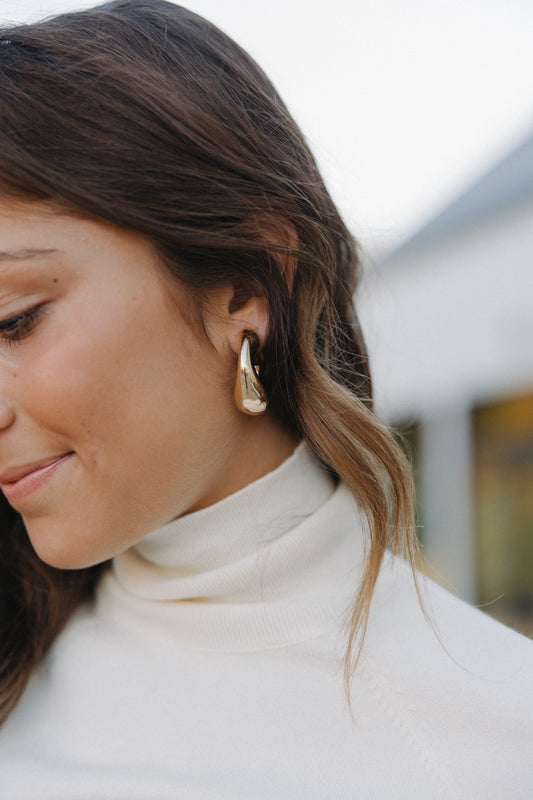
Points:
(244, 306)
(248, 306)
(247, 311)
(234, 309)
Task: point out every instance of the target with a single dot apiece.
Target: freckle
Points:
(15, 373)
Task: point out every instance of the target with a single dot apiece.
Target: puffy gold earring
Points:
(250, 397)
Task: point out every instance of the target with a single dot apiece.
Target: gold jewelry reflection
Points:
(250, 397)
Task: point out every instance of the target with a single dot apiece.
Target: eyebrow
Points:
(24, 255)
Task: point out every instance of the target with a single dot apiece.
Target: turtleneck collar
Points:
(252, 570)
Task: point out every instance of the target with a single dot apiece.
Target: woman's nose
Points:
(7, 412)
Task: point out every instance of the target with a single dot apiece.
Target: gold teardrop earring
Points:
(250, 397)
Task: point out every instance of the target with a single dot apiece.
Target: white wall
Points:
(453, 323)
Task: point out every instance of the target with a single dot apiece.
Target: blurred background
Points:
(420, 115)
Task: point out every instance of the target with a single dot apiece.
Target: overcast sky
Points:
(403, 101)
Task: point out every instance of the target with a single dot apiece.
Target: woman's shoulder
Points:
(455, 683)
(426, 612)
(412, 613)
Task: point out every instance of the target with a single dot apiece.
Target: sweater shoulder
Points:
(433, 621)
(456, 684)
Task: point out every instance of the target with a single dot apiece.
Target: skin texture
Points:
(111, 373)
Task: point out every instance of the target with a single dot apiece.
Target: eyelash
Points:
(16, 328)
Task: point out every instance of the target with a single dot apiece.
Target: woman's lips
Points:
(19, 482)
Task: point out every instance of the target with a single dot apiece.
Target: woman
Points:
(199, 503)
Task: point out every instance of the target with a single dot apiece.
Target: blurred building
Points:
(449, 321)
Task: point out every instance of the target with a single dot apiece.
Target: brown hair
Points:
(143, 114)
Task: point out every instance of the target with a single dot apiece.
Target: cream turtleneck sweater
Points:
(210, 668)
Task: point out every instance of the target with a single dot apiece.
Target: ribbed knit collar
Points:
(253, 570)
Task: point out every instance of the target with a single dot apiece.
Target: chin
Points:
(61, 559)
(56, 547)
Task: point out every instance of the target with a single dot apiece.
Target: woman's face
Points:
(115, 416)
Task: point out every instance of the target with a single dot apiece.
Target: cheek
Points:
(75, 378)
(63, 385)
(146, 375)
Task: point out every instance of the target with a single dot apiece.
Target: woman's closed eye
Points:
(16, 328)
